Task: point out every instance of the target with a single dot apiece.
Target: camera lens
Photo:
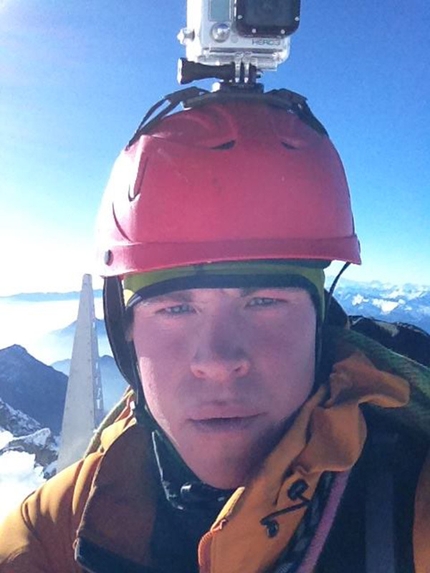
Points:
(267, 12)
(267, 17)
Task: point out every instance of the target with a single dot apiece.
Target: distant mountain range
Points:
(384, 301)
(405, 303)
(46, 296)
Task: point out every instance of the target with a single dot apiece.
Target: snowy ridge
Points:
(16, 422)
(392, 303)
(42, 444)
(21, 433)
(28, 455)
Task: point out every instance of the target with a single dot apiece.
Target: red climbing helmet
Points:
(226, 181)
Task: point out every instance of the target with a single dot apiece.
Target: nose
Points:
(220, 355)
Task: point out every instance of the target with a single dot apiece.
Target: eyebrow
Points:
(246, 291)
(187, 295)
(179, 296)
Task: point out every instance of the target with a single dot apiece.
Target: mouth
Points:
(225, 424)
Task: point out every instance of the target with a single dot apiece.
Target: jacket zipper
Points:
(204, 549)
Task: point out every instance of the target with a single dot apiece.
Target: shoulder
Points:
(39, 535)
(384, 513)
(387, 500)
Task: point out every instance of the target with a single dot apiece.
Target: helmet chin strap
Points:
(115, 321)
(331, 291)
(123, 350)
(333, 315)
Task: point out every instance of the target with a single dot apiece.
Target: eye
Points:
(264, 301)
(176, 309)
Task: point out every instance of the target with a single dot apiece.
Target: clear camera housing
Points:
(249, 32)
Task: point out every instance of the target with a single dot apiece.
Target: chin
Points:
(226, 474)
(227, 464)
(224, 482)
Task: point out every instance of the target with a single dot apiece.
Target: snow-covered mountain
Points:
(16, 422)
(407, 303)
(28, 455)
(32, 387)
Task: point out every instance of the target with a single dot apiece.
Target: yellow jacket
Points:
(106, 502)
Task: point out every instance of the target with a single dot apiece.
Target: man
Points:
(248, 442)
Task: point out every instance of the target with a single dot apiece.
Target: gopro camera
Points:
(239, 33)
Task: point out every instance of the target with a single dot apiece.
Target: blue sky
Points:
(76, 78)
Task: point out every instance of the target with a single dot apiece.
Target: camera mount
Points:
(236, 40)
(234, 73)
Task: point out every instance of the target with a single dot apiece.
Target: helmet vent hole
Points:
(226, 145)
(288, 145)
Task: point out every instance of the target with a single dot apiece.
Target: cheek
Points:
(152, 336)
(293, 336)
(162, 359)
(158, 387)
(288, 361)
